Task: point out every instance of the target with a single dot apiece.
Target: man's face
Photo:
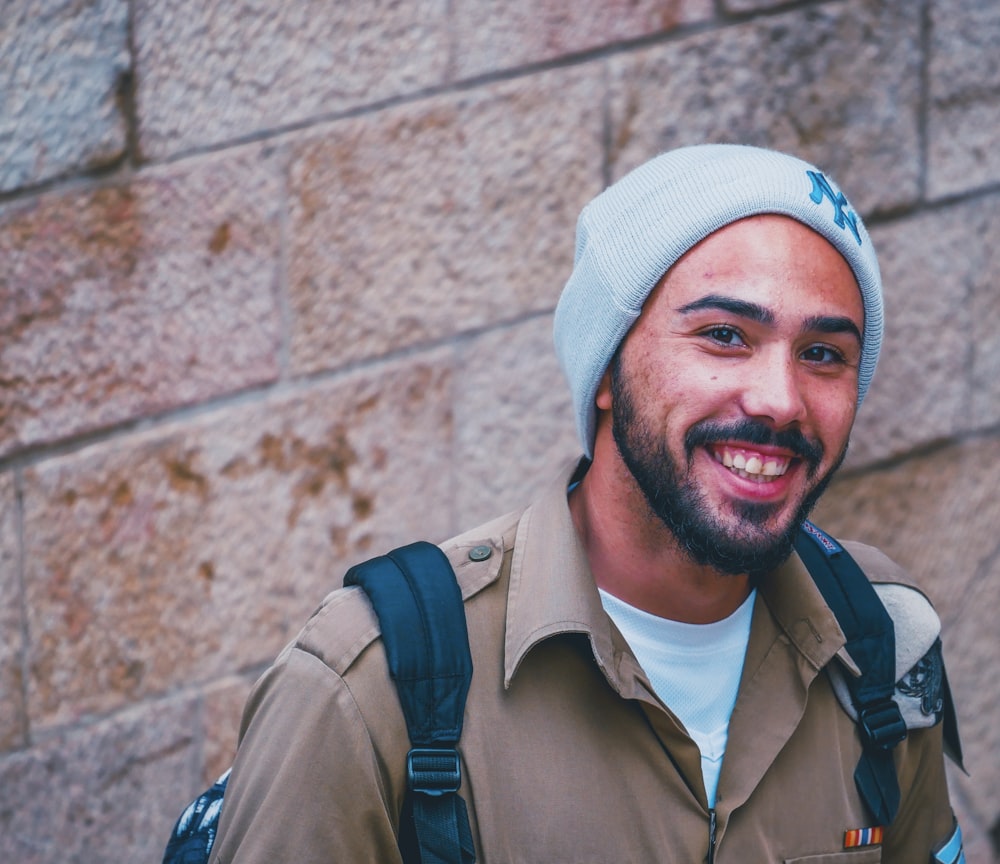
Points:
(733, 396)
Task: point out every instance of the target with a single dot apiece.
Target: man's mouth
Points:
(750, 464)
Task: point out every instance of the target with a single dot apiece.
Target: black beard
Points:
(749, 548)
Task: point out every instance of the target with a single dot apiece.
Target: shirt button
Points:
(480, 553)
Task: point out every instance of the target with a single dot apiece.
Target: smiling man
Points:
(662, 671)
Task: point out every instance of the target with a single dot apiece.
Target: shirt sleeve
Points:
(925, 819)
(306, 785)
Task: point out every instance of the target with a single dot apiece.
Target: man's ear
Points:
(603, 396)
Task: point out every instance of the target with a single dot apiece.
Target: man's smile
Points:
(751, 464)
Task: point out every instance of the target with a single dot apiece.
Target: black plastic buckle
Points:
(882, 724)
(433, 771)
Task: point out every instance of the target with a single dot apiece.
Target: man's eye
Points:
(822, 354)
(724, 335)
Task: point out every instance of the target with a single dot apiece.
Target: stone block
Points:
(13, 721)
(193, 550)
(961, 152)
(514, 420)
(836, 83)
(127, 300)
(963, 41)
(215, 71)
(61, 76)
(939, 373)
(922, 389)
(106, 792)
(495, 36)
(448, 215)
(964, 104)
(983, 252)
(937, 516)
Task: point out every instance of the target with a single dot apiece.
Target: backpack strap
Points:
(420, 611)
(871, 642)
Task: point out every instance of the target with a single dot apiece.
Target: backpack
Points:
(871, 642)
(419, 608)
(420, 611)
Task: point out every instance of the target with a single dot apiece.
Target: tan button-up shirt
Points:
(568, 754)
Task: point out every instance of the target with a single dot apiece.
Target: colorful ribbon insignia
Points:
(863, 837)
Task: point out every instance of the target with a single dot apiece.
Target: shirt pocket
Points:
(872, 855)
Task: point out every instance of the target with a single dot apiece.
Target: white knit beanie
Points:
(635, 230)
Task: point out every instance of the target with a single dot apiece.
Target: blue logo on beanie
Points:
(822, 189)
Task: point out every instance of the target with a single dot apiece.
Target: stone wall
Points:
(276, 293)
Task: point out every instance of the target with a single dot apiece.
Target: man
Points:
(657, 677)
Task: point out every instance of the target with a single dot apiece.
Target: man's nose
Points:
(774, 390)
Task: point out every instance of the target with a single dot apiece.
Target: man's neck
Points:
(635, 557)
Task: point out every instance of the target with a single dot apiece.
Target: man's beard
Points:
(744, 548)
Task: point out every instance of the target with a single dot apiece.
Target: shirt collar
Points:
(551, 589)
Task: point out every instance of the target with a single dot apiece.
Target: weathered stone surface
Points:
(982, 228)
(107, 792)
(750, 5)
(964, 110)
(502, 35)
(123, 301)
(939, 373)
(793, 82)
(452, 214)
(61, 68)
(937, 516)
(514, 420)
(215, 71)
(922, 389)
(180, 555)
(963, 53)
(962, 151)
(12, 713)
(223, 707)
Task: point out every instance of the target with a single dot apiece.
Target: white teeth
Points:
(754, 467)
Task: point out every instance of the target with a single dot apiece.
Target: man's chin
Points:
(743, 552)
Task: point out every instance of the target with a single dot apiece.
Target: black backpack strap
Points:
(871, 642)
(420, 611)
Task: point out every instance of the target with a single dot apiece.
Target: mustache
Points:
(749, 431)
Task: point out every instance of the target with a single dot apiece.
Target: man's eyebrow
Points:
(831, 324)
(742, 308)
(763, 315)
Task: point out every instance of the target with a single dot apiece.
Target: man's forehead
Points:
(746, 266)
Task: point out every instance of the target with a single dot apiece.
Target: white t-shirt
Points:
(694, 668)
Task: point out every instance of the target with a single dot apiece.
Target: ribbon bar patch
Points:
(863, 837)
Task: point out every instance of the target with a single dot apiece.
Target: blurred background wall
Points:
(276, 284)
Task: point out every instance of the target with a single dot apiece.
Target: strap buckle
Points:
(882, 724)
(433, 771)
